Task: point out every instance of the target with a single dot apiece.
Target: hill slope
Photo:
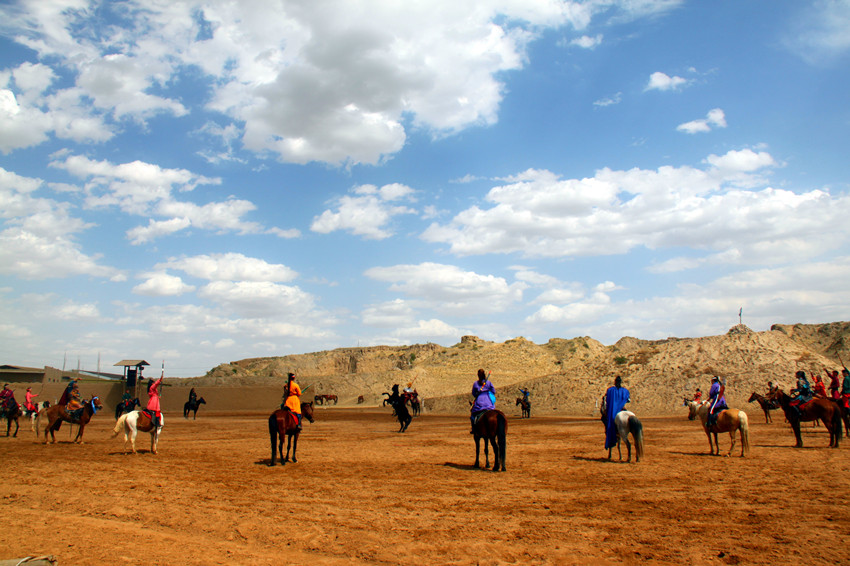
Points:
(567, 376)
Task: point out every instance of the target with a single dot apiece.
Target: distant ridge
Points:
(564, 375)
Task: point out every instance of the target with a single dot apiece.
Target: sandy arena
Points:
(363, 494)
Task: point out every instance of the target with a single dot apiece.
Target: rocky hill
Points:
(566, 376)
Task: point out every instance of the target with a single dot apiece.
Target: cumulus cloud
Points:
(714, 119)
(162, 284)
(146, 189)
(587, 42)
(661, 81)
(331, 81)
(367, 212)
(230, 267)
(447, 288)
(537, 214)
(38, 241)
(258, 299)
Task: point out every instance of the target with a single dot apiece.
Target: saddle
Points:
(477, 417)
(75, 415)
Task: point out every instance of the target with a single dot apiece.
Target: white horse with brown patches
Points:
(135, 421)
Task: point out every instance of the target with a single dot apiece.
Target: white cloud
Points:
(663, 82)
(818, 31)
(389, 314)
(258, 299)
(609, 101)
(447, 288)
(162, 284)
(367, 213)
(539, 215)
(587, 42)
(715, 118)
(230, 267)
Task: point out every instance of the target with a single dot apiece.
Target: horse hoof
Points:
(270, 464)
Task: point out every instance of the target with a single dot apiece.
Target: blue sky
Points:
(201, 182)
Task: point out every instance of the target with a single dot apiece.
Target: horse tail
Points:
(119, 424)
(636, 428)
(744, 425)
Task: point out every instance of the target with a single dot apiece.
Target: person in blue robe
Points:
(615, 401)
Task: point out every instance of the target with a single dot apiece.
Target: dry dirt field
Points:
(363, 494)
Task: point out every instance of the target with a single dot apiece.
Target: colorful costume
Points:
(616, 398)
(717, 400)
(834, 385)
(66, 395)
(485, 396)
(845, 388)
(803, 390)
(819, 388)
(698, 396)
(7, 398)
(30, 406)
(74, 401)
(292, 400)
(153, 400)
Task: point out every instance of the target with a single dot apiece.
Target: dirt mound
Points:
(565, 375)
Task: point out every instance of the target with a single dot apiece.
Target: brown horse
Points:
(766, 405)
(283, 423)
(492, 426)
(824, 409)
(728, 420)
(57, 413)
(10, 415)
(525, 407)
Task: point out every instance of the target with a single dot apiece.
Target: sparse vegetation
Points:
(620, 360)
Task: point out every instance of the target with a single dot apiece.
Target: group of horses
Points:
(827, 410)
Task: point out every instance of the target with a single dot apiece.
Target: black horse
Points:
(525, 404)
(193, 406)
(399, 407)
(126, 407)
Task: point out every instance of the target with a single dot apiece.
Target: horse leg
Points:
(477, 450)
(294, 446)
(628, 448)
(288, 444)
(732, 437)
(486, 452)
(496, 454)
(16, 429)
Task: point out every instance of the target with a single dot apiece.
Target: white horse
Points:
(40, 406)
(135, 421)
(728, 420)
(626, 422)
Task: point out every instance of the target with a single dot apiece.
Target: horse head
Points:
(307, 411)
(692, 409)
(753, 397)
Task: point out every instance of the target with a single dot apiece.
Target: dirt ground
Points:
(361, 493)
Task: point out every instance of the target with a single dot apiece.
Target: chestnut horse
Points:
(57, 413)
(824, 409)
(766, 405)
(135, 421)
(492, 426)
(283, 423)
(728, 420)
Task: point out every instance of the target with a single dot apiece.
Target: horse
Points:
(626, 422)
(323, 398)
(361, 400)
(399, 408)
(766, 405)
(728, 420)
(126, 406)
(492, 426)
(135, 421)
(283, 423)
(33, 415)
(193, 406)
(845, 414)
(526, 407)
(413, 399)
(12, 414)
(824, 409)
(57, 413)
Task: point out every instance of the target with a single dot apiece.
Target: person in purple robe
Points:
(615, 401)
(485, 397)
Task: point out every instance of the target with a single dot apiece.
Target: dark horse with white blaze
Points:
(284, 423)
(58, 413)
(492, 426)
(193, 406)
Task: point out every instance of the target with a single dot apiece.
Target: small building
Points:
(132, 371)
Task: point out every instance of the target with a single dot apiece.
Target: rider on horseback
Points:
(615, 401)
(802, 393)
(717, 400)
(153, 406)
(193, 397)
(28, 404)
(485, 397)
(845, 388)
(74, 404)
(7, 399)
(292, 398)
